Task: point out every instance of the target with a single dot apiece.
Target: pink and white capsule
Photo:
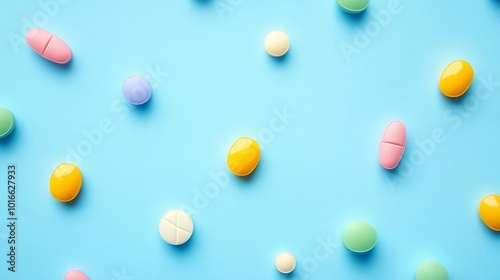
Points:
(392, 145)
(48, 46)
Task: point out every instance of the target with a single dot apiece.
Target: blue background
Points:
(319, 168)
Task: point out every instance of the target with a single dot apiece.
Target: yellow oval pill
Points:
(65, 182)
(456, 78)
(489, 211)
(243, 156)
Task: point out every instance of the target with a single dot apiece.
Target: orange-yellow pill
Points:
(243, 156)
(456, 78)
(489, 211)
(65, 182)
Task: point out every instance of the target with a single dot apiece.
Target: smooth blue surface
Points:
(215, 83)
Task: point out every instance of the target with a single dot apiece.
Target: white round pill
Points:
(277, 43)
(176, 227)
(285, 263)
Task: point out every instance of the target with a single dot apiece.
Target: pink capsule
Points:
(75, 275)
(48, 46)
(393, 144)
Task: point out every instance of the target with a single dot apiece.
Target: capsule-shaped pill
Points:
(48, 46)
(392, 145)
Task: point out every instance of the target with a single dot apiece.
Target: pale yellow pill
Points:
(285, 263)
(277, 43)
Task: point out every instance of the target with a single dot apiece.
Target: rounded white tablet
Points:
(176, 227)
(285, 263)
(277, 43)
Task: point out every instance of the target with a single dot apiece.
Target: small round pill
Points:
(285, 263)
(456, 78)
(176, 227)
(431, 270)
(75, 275)
(243, 156)
(65, 182)
(277, 43)
(359, 236)
(353, 6)
(137, 90)
(6, 122)
(489, 211)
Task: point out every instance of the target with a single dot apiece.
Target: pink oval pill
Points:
(75, 275)
(393, 144)
(48, 45)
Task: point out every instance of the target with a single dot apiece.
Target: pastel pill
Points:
(277, 43)
(176, 227)
(359, 236)
(392, 145)
(353, 6)
(48, 46)
(65, 182)
(285, 263)
(75, 275)
(456, 78)
(489, 211)
(6, 122)
(137, 90)
(431, 270)
(243, 156)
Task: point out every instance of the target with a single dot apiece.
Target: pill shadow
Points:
(77, 201)
(10, 140)
(363, 258)
(203, 2)
(252, 176)
(52, 66)
(392, 175)
(496, 3)
(353, 18)
(494, 235)
(280, 60)
(458, 101)
(395, 173)
(182, 249)
(144, 108)
(290, 275)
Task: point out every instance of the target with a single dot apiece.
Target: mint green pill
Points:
(353, 6)
(359, 236)
(431, 270)
(6, 122)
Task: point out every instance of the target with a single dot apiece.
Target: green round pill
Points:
(353, 6)
(359, 236)
(6, 122)
(431, 270)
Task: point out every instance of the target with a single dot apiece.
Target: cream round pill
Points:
(176, 227)
(277, 43)
(285, 263)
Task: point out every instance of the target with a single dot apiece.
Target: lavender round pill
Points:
(137, 90)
